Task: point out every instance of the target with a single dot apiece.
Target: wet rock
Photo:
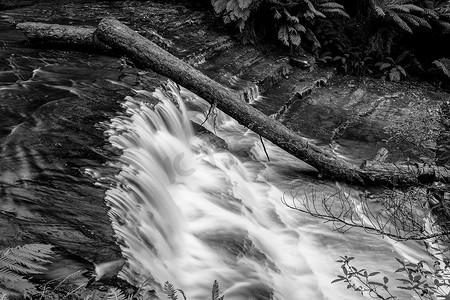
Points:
(209, 137)
(301, 62)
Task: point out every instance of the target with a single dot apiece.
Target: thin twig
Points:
(264, 146)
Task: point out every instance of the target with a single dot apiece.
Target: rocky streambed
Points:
(54, 100)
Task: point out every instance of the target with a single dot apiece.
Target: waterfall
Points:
(188, 214)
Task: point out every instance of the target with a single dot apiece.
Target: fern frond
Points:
(38, 252)
(399, 8)
(412, 19)
(219, 5)
(19, 261)
(314, 10)
(3, 295)
(216, 291)
(277, 15)
(398, 21)
(444, 25)
(295, 38)
(413, 8)
(115, 294)
(244, 3)
(170, 291)
(334, 11)
(409, 19)
(331, 5)
(299, 27)
(379, 11)
(283, 35)
(430, 13)
(17, 287)
(231, 5)
(10, 275)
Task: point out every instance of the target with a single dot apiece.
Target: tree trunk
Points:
(148, 55)
(65, 36)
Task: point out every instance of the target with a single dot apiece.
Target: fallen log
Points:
(150, 56)
(64, 36)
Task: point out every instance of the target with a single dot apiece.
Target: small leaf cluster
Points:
(362, 281)
(424, 281)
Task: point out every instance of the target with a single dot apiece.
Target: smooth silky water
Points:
(190, 214)
(183, 210)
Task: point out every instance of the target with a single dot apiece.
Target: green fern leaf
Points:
(115, 294)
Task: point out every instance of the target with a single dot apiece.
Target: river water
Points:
(183, 210)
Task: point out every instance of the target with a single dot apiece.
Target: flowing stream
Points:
(184, 211)
(190, 214)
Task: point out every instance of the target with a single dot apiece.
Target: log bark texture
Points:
(66, 36)
(150, 56)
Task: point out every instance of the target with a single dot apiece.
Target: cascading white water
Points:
(188, 214)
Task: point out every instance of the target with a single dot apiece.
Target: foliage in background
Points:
(291, 21)
(362, 44)
(18, 263)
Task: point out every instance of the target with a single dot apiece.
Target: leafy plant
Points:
(427, 282)
(116, 294)
(216, 291)
(237, 11)
(391, 69)
(172, 293)
(401, 13)
(292, 20)
(295, 19)
(18, 262)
